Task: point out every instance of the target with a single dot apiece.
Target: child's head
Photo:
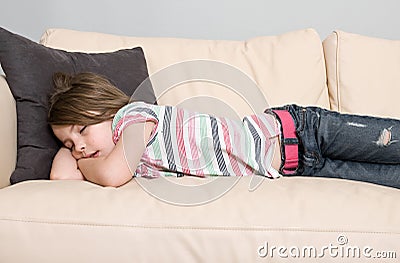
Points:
(83, 99)
(81, 110)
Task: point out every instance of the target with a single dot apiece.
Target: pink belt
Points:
(290, 143)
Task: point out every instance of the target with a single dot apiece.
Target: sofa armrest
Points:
(8, 133)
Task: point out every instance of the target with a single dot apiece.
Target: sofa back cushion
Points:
(363, 74)
(8, 135)
(288, 68)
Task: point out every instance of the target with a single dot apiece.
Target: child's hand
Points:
(65, 166)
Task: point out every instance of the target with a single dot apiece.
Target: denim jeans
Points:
(347, 146)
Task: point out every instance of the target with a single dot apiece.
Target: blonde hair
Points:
(83, 99)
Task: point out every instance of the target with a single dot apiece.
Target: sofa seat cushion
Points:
(95, 223)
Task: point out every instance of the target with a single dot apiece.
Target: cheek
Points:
(107, 148)
(101, 137)
(107, 142)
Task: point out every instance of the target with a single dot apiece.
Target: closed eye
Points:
(83, 129)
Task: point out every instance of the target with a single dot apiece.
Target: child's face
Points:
(90, 141)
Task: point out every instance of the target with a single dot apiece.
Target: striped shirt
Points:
(190, 143)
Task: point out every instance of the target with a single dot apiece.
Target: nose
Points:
(79, 150)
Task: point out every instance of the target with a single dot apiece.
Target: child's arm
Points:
(65, 167)
(113, 170)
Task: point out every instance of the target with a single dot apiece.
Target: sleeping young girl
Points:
(108, 139)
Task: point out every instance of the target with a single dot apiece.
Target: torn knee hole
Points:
(385, 138)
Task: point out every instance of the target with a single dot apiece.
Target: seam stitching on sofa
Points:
(161, 227)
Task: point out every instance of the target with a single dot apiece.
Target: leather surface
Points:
(363, 74)
(8, 133)
(72, 221)
(147, 221)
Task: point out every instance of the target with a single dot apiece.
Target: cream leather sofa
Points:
(220, 219)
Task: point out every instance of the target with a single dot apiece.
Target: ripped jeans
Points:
(353, 147)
